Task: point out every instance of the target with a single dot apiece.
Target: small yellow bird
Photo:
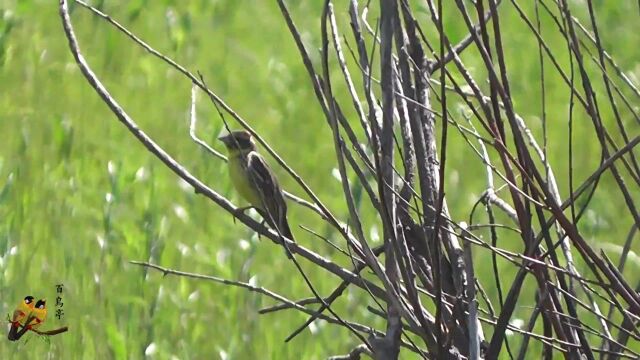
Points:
(20, 315)
(39, 313)
(256, 182)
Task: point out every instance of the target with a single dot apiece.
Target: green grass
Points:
(67, 216)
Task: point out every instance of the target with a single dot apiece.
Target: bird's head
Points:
(41, 304)
(238, 141)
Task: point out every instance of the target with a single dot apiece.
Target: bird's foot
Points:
(262, 223)
(239, 211)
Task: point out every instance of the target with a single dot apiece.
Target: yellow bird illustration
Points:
(39, 314)
(20, 315)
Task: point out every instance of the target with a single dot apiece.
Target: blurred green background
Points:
(80, 197)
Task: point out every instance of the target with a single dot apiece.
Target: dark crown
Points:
(238, 140)
(41, 304)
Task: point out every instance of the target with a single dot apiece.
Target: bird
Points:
(20, 315)
(256, 183)
(39, 314)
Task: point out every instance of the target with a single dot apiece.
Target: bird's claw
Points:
(262, 223)
(239, 211)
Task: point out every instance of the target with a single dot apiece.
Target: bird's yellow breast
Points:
(23, 310)
(40, 315)
(242, 182)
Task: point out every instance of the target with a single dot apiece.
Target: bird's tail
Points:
(282, 227)
(285, 230)
(13, 332)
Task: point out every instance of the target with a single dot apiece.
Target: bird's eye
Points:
(40, 304)
(28, 299)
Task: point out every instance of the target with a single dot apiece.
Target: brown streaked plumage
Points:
(256, 182)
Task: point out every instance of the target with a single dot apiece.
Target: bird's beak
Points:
(224, 139)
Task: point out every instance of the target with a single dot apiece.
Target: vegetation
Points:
(80, 198)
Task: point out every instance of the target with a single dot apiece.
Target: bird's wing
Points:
(21, 312)
(18, 315)
(39, 316)
(265, 181)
